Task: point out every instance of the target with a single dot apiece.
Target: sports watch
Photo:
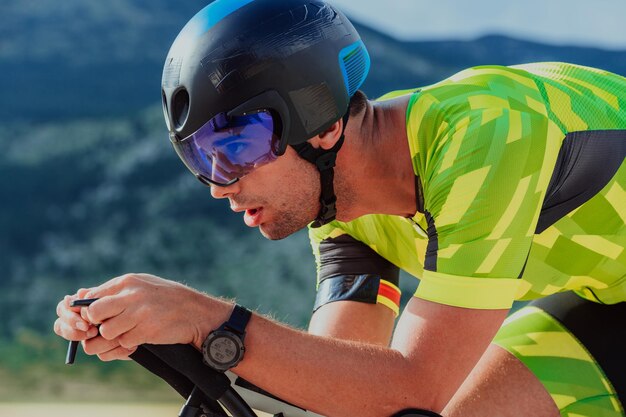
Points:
(223, 349)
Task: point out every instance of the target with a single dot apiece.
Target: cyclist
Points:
(494, 185)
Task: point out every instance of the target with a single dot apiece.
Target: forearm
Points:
(313, 372)
(434, 347)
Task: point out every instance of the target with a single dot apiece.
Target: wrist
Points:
(224, 348)
(212, 313)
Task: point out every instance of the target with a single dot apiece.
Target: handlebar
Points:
(181, 366)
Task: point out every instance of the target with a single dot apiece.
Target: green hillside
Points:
(92, 189)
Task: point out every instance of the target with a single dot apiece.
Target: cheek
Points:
(304, 181)
(286, 181)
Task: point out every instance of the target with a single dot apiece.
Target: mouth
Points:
(252, 217)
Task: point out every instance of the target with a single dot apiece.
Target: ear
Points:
(328, 138)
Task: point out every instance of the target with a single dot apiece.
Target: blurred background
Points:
(91, 188)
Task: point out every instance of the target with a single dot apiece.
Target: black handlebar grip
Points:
(188, 361)
(181, 366)
(152, 363)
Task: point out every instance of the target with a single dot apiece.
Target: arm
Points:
(357, 294)
(350, 320)
(372, 380)
(433, 349)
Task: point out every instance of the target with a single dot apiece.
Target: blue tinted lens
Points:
(224, 155)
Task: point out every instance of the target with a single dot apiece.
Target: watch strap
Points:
(238, 320)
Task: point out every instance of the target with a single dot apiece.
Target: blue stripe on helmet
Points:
(218, 10)
(354, 61)
(211, 15)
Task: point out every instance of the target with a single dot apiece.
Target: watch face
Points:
(223, 350)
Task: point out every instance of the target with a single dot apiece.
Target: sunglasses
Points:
(226, 148)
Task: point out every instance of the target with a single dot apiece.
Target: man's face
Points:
(280, 198)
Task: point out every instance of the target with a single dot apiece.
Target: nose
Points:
(224, 192)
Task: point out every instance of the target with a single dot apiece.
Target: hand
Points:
(72, 326)
(139, 308)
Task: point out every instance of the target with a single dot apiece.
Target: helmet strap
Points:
(324, 160)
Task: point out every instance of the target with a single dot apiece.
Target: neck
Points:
(374, 172)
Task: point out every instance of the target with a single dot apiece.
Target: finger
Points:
(82, 293)
(132, 338)
(70, 316)
(112, 287)
(68, 332)
(117, 326)
(99, 345)
(66, 304)
(118, 353)
(106, 308)
(62, 305)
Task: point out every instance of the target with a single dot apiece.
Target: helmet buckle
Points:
(326, 161)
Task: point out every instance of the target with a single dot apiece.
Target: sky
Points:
(597, 23)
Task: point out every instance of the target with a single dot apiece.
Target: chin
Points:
(273, 234)
(278, 231)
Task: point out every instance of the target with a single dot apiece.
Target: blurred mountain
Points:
(90, 58)
(86, 201)
(91, 186)
(92, 189)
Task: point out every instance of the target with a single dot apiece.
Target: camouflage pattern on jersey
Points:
(569, 373)
(484, 144)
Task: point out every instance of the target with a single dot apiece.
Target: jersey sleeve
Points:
(483, 172)
(349, 270)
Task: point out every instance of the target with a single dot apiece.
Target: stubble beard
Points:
(299, 203)
(302, 205)
(288, 224)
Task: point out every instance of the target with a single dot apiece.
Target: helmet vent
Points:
(355, 64)
(166, 112)
(180, 107)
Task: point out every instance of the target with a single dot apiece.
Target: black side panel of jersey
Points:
(596, 326)
(351, 271)
(344, 255)
(586, 163)
(430, 262)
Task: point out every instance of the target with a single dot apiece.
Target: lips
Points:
(252, 217)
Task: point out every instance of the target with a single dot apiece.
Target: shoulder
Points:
(478, 88)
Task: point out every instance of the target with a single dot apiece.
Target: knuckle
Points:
(135, 298)
(128, 278)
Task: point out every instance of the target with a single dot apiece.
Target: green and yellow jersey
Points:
(521, 187)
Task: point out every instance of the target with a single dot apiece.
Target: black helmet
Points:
(301, 59)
